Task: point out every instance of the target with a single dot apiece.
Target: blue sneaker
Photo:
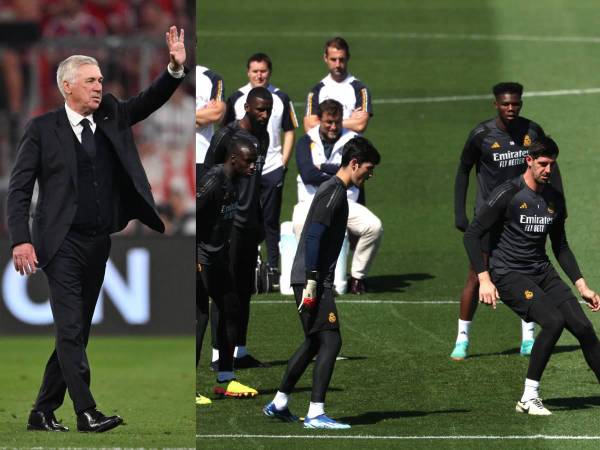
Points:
(460, 351)
(324, 423)
(282, 414)
(526, 347)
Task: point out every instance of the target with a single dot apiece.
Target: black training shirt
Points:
(216, 204)
(525, 217)
(249, 213)
(497, 155)
(329, 207)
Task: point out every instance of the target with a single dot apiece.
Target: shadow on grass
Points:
(568, 403)
(297, 389)
(395, 283)
(283, 362)
(372, 417)
(516, 351)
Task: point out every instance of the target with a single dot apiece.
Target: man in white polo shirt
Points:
(339, 85)
(319, 155)
(282, 122)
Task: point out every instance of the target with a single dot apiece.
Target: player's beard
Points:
(257, 125)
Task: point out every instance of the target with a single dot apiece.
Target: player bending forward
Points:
(522, 212)
(312, 280)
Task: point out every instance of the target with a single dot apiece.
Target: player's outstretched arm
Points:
(592, 298)
(461, 185)
(470, 155)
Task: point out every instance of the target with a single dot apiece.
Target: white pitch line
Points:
(369, 302)
(376, 302)
(406, 36)
(374, 437)
(466, 98)
(462, 98)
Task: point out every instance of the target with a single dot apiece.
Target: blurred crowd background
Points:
(128, 39)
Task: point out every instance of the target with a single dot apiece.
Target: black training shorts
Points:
(519, 291)
(324, 316)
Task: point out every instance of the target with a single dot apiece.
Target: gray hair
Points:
(68, 68)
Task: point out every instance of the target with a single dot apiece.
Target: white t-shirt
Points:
(350, 92)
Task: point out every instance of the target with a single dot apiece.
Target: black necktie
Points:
(87, 139)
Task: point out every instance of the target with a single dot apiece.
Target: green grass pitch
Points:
(146, 380)
(400, 382)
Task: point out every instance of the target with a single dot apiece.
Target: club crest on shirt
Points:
(332, 317)
(526, 141)
(523, 206)
(199, 267)
(528, 294)
(495, 145)
(551, 208)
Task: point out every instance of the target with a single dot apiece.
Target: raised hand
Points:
(176, 48)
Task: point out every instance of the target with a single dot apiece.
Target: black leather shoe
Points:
(41, 421)
(93, 421)
(357, 286)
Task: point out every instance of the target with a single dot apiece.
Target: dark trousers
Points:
(271, 194)
(217, 283)
(320, 341)
(552, 319)
(243, 253)
(547, 300)
(201, 314)
(75, 276)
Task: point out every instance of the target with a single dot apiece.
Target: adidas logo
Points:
(495, 145)
(523, 205)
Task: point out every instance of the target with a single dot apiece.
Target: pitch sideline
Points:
(374, 437)
(477, 97)
(408, 36)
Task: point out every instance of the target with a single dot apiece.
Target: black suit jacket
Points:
(47, 153)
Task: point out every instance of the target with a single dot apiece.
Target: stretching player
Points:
(248, 228)
(210, 109)
(520, 214)
(216, 205)
(312, 280)
(496, 148)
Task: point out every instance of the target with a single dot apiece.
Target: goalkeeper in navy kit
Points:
(520, 214)
(312, 280)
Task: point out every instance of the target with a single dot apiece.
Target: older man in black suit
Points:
(91, 184)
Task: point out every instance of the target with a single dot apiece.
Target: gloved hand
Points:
(309, 296)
